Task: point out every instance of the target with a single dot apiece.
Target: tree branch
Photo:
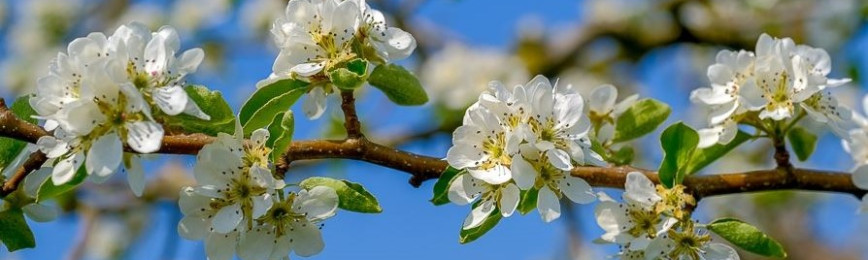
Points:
(351, 119)
(423, 168)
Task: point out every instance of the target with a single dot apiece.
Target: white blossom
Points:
(635, 222)
(604, 110)
(687, 244)
(483, 146)
(466, 189)
(313, 36)
(732, 72)
(292, 226)
(390, 43)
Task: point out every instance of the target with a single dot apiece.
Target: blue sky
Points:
(410, 227)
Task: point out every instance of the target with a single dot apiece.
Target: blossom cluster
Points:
(778, 81)
(856, 144)
(317, 36)
(525, 139)
(239, 207)
(105, 92)
(604, 110)
(651, 223)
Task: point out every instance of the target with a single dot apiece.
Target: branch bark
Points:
(422, 168)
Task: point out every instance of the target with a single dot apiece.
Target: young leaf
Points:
(351, 77)
(469, 235)
(399, 85)
(640, 119)
(679, 143)
(704, 157)
(10, 148)
(528, 201)
(803, 142)
(268, 101)
(352, 196)
(747, 237)
(48, 190)
(212, 103)
(441, 188)
(281, 131)
(14, 231)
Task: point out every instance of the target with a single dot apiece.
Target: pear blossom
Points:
(785, 74)
(728, 76)
(604, 110)
(390, 43)
(233, 188)
(314, 36)
(688, 244)
(150, 64)
(465, 189)
(291, 225)
(557, 124)
(483, 146)
(824, 108)
(635, 222)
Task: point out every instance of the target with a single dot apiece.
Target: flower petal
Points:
(718, 251)
(256, 244)
(315, 103)
(320, 202)
(193, 228)
(136, 176)
(306, 238)
(105, 155)
(509, 197)
(522, 172)
(548, 205)
(640, 189)
(478, 214)
(221, 246)
(602, 99)
(171, 99)
(144, 136)
(66, 168)
(227, 218)
(39, 212)
(577, 190)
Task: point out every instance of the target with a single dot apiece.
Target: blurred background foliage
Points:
(657, 48)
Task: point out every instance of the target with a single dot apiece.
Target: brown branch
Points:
(351, 119)
(423, 168)
(33, 162)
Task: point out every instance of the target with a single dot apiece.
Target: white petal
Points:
(261, 204)
(463, 156)
(193, 228)
(221, 246)
(194, 110)
(478, 214)
(860, 177)
(320, 202)
(560, 159)
(398, 44)
(51, 146)
(66, 168)
(610, 216)
(144, 136)
(256, 244)
(602, 99)
(709, 136)
(315, 103)
(548, 205)
(509, 197)
(136, 176)
(495, 175)
(308, 69)
(658, 247)
(640, 189)
(718, 251)
(227, 218)
(40, 213)
(190, 60)
(577, 190)
(105, 155)
(171, 99)
(306, 239)
(35, 179)
(259, 137)
(459, 192)
(522, 172)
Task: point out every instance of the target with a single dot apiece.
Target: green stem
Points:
(792, 123)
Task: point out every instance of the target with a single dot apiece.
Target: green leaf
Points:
(623, 156)
(640, 119)
(441, 188)
(10, 148)
(399, 85)
(14, 231)
(747, 237)
(528, 201)
(679, 143)
(704, 157)
(48, 190)
(803, 142)
(212, 103)
(280, 131)
(352, 196)
(469, 235)
(268, 101)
